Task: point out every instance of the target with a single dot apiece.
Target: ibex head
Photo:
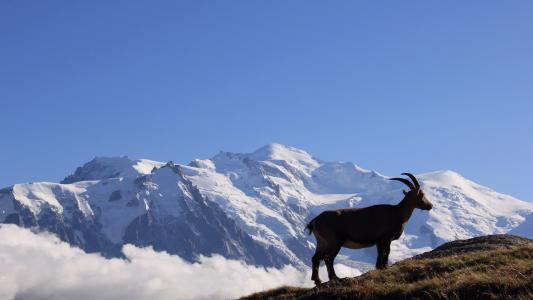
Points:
(415, 195)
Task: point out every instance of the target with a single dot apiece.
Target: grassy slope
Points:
(492, 267)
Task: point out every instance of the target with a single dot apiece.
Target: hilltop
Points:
(488, 267)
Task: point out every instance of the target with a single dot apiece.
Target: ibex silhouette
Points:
(357, 228)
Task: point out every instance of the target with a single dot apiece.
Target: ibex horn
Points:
(413, 178)
(405, 181)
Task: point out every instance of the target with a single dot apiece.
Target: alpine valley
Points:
(252, 206)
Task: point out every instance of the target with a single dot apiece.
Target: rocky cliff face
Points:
(161, 209)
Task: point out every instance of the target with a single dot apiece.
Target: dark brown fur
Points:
(363, 227)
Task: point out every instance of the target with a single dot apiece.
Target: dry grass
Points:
(505, 273)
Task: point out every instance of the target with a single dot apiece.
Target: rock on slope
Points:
(249, 205)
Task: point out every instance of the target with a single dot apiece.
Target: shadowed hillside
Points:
(488, 267)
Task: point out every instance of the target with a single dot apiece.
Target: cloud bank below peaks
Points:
(40, 266)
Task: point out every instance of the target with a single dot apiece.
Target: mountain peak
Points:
(444, 176)
(276, 151)
(293, 156)
(102, 167)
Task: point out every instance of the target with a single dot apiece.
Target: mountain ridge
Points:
(269, 194)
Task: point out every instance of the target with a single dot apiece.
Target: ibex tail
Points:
(310, 226)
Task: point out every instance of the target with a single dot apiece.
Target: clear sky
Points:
(391, 85)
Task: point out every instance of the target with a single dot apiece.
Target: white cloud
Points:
(40, 266)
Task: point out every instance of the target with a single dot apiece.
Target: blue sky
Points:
(392, 86)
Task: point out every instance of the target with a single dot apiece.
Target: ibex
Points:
(357, 228)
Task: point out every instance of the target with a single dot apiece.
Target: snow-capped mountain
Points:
(160, 208)
(250, 206)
